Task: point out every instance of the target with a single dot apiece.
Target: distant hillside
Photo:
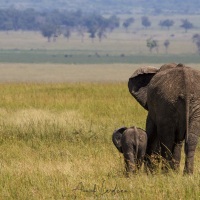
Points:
(110, 6)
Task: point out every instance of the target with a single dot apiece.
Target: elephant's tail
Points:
(187, 76)
(187, 108)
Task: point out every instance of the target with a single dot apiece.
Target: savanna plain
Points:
(57, 118)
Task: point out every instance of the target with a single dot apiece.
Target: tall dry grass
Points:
(55, 143)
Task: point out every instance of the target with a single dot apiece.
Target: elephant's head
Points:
(116, 138)
(139, 81)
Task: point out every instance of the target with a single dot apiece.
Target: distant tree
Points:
(166, 23)
(166, 45)
(128, 22)
(27, 19)
(92, 24)
(81, 31)
(113, 22)
(8, 25)
(15, 16)
(152, 44)
(51, 22)
(145, 21)
(67, 32)
(48, 30)
(97, 25)
(196, 40)
(92, 33)
(101, 34)
(186, 25)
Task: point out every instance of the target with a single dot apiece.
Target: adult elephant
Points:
(171, 95)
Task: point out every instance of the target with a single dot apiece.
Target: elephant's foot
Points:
(130, 167)
(175, 165)
(166, 166)
(189, 164)
(188, 169)
(152, 163)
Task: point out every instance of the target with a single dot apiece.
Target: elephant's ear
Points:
(138, 84)
(116, 138)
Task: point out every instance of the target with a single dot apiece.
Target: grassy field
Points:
(118, 47)
(80, 57)
(61, 101)
(56, 144)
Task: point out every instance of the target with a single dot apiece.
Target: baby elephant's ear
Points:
(116, 138)
(121, 129)
(138, 84)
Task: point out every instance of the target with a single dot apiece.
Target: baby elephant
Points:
(132, 143)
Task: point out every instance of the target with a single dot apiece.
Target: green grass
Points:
(55, 143)
(83, 57)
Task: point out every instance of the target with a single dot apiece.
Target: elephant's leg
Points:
(190, 147)
(129, 154)
(166, 134)
(166, 153)
(151, 130)
(130, 164)
(139, 163)
(128, 148)
(152, 142)
(177, 155)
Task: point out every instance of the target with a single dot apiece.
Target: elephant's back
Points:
(195, 82)
(169, 85)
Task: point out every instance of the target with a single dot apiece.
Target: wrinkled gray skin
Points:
(132, 143)
(171, 95)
